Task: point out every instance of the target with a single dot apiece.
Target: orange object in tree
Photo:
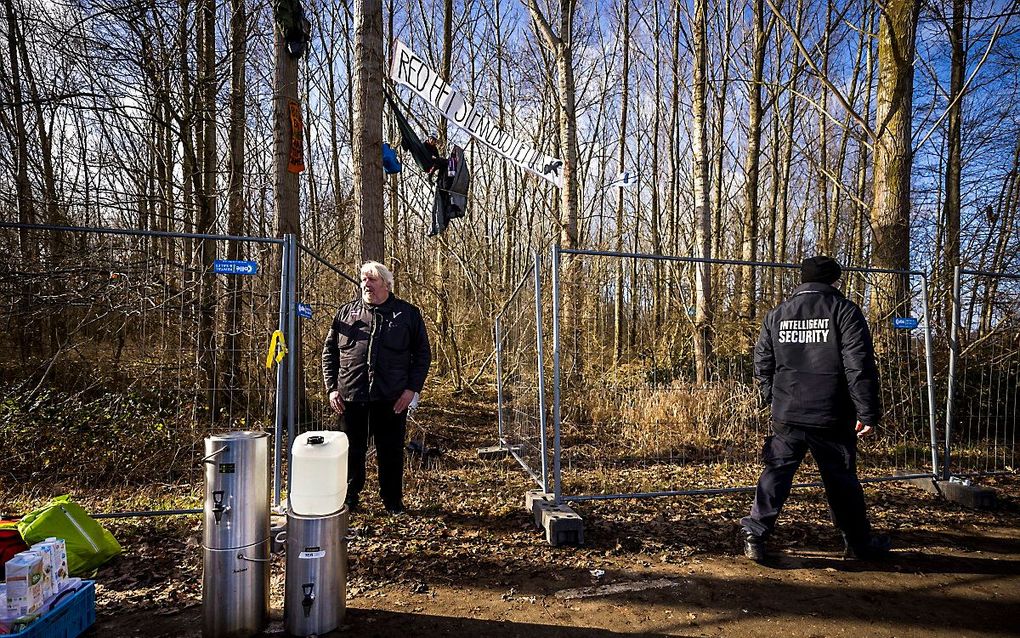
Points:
(296, 161)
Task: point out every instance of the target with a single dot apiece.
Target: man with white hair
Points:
(374, 363)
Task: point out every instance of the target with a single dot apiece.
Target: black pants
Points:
(836, 456)
(375, 419)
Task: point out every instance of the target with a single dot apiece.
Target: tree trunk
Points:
(367, 141)
(951, 208)
(824, 226)
(561, 46)
(342, 224)
(749, 250)
(233, 382)
(890, 210)
(717, 201)
(702, 210)
(23, 187)
(657, 284)
(440, 279)
(206, 219)
(624, 98)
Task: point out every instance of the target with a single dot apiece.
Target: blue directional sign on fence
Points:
(235, 267)
(304, 310)
(904, 323)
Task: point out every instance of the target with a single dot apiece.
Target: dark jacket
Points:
(374, 353)
(815, 362)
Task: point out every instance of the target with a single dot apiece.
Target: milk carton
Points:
(60, 559)
(50, 586)
(56, 566)
(24, 583)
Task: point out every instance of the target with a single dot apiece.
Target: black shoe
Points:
(875, 548)
(754, 546)
(395, 510)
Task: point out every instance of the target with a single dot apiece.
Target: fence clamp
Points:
(277, 349)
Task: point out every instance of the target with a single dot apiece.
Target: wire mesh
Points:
(124, 351)
(322, 288)
(984, 437)
(521, 373)
(635, 420)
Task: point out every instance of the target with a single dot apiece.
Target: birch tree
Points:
(702, 209)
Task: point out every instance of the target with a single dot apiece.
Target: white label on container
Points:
(317, 554)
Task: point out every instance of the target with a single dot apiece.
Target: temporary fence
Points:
(322, 288)
(984, 374)
(521, 370)
(125, 349)
(629, 415)
(132, 346)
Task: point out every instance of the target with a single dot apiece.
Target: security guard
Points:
(815, 365)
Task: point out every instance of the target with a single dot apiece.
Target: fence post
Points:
(295, 351)
(498, 336)
(281, 380)
(954, 353)
(557, 482)
(929, 370)
(541, 376)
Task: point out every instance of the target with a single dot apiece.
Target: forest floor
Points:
(467, 560)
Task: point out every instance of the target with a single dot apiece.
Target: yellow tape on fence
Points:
(277, 349)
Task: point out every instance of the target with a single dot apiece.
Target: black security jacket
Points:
(815, 361)
(374, 353)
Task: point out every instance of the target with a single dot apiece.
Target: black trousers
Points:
(836, 456)
(375, 419)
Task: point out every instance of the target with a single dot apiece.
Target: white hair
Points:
(376, 270)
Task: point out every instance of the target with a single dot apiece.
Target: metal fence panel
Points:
(982, 415)
(127, 347)
(634, 421)
(521, 371)
(322, 288)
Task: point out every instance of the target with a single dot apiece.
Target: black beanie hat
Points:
(820, 269)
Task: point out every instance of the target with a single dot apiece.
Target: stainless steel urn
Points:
(235, 538)
(315, 598)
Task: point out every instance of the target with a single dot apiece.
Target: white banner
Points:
(412, 71)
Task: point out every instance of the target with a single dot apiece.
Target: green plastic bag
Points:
(88, 544)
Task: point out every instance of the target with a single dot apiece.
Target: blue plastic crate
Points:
(69, 619)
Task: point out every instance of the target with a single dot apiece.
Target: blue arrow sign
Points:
(904, 323)
(304, 310)
(235, 267)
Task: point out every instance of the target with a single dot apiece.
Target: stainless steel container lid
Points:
(237, 435)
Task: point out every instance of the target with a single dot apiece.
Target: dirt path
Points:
(468, 561)
(959, 594)
(486, 571)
